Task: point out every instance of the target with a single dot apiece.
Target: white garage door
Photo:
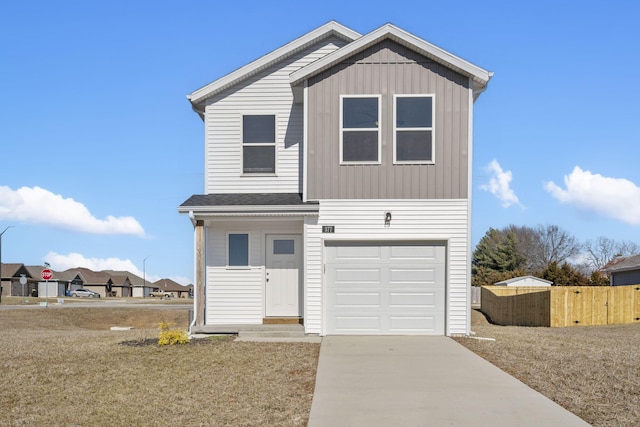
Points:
(386, 288)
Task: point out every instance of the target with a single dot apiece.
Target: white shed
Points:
(524, 281)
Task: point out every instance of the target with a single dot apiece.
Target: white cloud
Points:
(39, 206)
(182, 280)
(616, 198)
(61, 262)
(500, 184)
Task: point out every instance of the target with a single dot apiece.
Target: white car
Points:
(81, 292)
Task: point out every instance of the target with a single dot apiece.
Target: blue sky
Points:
(98, 144)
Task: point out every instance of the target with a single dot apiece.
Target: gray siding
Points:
(387, 69)
(623, 278)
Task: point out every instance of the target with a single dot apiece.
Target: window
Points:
(360, 129)
(258, 144)
(413, 129)
(238, 249)
(284, 247)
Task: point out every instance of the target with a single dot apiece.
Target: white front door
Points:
(283, 275)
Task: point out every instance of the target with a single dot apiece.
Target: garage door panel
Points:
(413, 252)
(421, 324)
(402, 292)
(359, 299)
(414, 299)
(352, 275)
(357, 324)
(343, 253)
(412, 275)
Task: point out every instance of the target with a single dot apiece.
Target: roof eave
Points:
(252, 210)
(331, 28)
(622, 269)
(479, 76)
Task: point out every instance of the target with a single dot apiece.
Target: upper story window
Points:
(413, 129)
(259, 144)
(360, 129)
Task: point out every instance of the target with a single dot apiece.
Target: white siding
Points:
(266, 93)
(236, 295)
(427, 220)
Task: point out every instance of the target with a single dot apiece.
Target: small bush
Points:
(169, 336)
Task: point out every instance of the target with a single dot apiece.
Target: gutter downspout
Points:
(195, 294)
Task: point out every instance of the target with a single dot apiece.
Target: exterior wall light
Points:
(387, 218)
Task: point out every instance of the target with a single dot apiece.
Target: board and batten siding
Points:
(268, 92)
(444, 221)
(236, 295)
(385, 69)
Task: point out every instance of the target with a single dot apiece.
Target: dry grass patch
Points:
(66, 368)
(592, 371)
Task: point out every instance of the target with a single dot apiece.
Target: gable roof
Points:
(169, 285)
(90, 277)
(329, 29)
(11, 269)
(623, 264)
(135, 280)
(479, 76)
(521, 278)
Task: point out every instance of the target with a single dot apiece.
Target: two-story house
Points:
(338, 187)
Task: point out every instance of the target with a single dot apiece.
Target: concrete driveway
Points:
(421, 381)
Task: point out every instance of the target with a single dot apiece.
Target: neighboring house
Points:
(624, 271)
(338, 187)
(174, 288)
(524, 281)
(55, 287)
(120, 286)
(139, 286)
(11, 286)
(97, 281)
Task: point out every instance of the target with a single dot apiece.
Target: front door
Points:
(283, 275)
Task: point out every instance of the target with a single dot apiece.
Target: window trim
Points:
(379, 129)
(432, 129)
(238, 267)
(273, 144)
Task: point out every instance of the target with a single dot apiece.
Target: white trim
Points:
(251, 208)
(480, 76)
(254, 67)
(379, 129)
(238, 267)
(469, 199)
(273, 144)
(305, 138)
(432, 129)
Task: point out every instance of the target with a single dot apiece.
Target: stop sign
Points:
(46, 274)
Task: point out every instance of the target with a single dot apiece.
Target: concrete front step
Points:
(235, 328)
(260, 333)
(276, 335)
(271, 334)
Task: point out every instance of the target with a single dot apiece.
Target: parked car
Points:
(81, 292)
(161, 294)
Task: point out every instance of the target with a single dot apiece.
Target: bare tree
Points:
(557, 245)
(603, 250)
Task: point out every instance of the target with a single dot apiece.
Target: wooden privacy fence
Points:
(558, 306)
